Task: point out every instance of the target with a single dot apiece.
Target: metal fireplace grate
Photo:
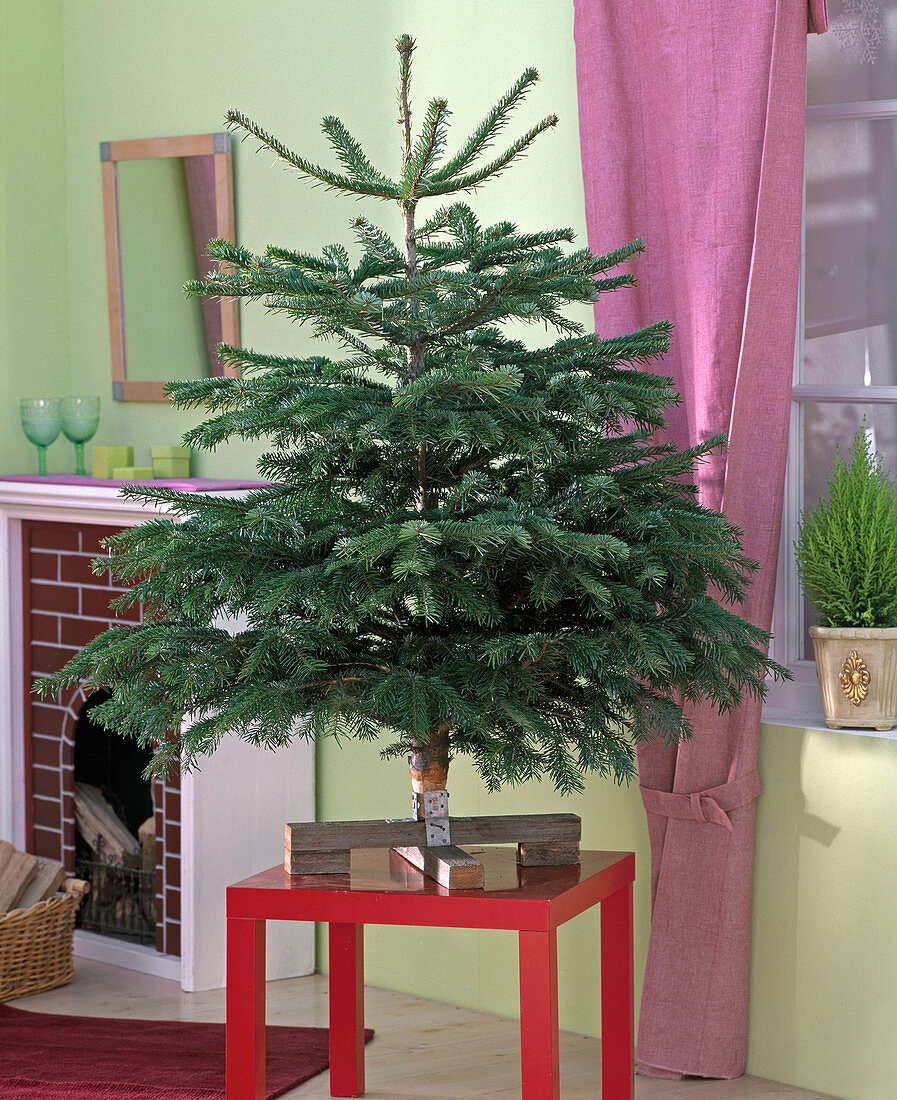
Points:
(121, 901)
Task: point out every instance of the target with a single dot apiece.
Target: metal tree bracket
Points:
(324, 847)
(439, 859)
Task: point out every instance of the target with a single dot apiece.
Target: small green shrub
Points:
(846, 547)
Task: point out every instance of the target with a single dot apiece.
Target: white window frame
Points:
(798, 702)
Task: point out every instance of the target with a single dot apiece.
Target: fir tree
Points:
(467, 544)
(846, 547)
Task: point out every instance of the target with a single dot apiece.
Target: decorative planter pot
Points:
(857, 669)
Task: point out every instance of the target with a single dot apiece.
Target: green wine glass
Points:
(80, 420)
(41, 422)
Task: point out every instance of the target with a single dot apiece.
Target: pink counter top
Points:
(182, 485)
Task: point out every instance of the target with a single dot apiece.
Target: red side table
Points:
(383, 889)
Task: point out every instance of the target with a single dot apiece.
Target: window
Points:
(846, 350)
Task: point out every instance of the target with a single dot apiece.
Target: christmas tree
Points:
(464, 544)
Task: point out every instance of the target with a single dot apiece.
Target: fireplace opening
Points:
(115, 832)
(114, 764)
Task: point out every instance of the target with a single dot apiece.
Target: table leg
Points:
(346, 1009)
(539, 1060)
(245, 1029)
(617, 1002)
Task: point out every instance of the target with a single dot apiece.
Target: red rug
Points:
(50, 1057)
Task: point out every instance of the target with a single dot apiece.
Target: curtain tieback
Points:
(712, 806)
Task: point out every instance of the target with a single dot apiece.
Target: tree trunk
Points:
(429, 763)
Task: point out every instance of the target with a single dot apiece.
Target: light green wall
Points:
(34, 286)
(138, 70)
(824, 947)
(824, 986)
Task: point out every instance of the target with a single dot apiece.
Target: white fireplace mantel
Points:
(233, 809)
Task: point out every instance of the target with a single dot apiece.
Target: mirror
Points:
(163, 199)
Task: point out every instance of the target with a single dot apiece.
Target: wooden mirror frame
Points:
(218, 146)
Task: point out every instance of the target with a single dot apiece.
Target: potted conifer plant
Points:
(846, 554)
(469, 544)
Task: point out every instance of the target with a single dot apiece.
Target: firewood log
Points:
(97, 822)
(48, 879)
(17, 869)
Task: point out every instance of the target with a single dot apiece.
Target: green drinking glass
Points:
(80, 420)
(41, 422)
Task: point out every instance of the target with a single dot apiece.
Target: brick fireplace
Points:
(213, 826)
(66, 607)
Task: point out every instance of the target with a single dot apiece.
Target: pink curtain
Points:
(691, 120)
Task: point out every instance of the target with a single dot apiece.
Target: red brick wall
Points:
(65, 607)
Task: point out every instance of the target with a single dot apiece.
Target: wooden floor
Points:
(467, 1054)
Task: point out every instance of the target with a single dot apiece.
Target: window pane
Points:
(850, 289)
(825, 425)
(857, 59)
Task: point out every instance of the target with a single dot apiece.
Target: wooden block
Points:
(500, 829)
(329, 836)
(99, 824)
(513, 828)
(334, 862)
(17, 869)
(47, 880)
(449, 866)
(547, 855)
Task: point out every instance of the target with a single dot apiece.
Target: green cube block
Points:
(106, 459)
(133, 473)
(171, 467)
(170, 461)
(170, 452)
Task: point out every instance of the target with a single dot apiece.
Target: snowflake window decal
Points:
(860, 30)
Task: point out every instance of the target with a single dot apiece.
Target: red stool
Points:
(383, 889)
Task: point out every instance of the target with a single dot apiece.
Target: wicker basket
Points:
(36, 943)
